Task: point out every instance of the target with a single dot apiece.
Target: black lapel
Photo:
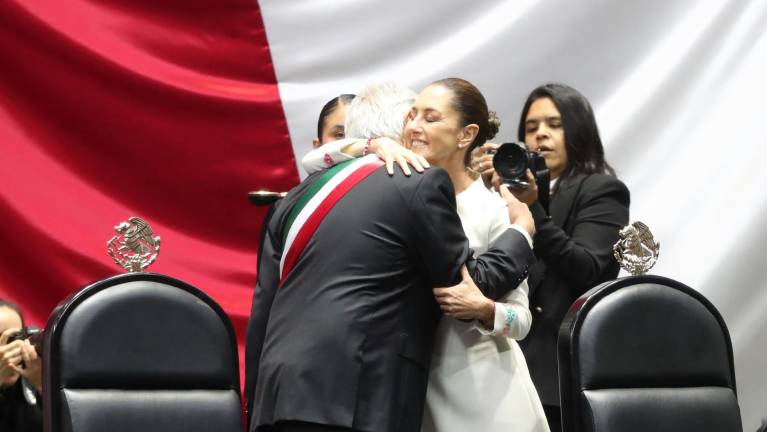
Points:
(562, 201)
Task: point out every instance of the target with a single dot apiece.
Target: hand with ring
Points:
(482, 161)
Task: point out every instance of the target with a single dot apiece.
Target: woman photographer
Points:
(20, 375)
(573, 244)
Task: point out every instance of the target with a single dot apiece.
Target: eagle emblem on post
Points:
(135, 247)
(636, 249)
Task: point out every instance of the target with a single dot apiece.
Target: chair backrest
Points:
(646, 353)
(140, 352)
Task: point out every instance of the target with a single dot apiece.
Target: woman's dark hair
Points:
(13, 307)
(328, 109)
(472, 106)
(585, 154)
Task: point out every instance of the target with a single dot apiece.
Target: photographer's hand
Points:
(529, 195)
(482, 161)
(33, 365)
(10, 354)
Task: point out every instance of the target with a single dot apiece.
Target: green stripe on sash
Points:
(310, 192)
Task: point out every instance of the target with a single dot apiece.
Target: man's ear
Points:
(467, 135)
(315, 142)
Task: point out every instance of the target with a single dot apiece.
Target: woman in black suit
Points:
(573, 244)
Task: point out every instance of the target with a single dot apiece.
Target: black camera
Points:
(511, 162)
(34, 334)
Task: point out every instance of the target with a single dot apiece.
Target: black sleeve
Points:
(266, 286)
(443, 248)
(503, 266)
(602, 209)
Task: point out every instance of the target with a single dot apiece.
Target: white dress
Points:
(479, 380)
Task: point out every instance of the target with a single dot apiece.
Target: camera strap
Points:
(28, 392)
(543, 180)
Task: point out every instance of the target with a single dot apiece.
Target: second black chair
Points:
(646, 353)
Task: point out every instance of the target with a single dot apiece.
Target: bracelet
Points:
(366, 149)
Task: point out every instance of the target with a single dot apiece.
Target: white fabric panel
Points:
(679, 89)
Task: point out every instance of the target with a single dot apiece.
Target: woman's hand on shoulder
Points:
(392, 152)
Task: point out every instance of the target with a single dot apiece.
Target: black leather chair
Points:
(646, 353)
(140, 352)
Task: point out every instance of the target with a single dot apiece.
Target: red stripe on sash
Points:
(313, 221)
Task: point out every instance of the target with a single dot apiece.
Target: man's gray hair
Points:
(379, 110)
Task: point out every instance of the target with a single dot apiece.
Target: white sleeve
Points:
(501, 221)
(327, 155)
(512, 315)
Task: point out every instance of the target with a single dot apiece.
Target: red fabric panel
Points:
(108, 109)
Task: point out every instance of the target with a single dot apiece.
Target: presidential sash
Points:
(316, 203)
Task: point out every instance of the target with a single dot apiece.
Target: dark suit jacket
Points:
(574, 253)
(347, 339)
(16, 413)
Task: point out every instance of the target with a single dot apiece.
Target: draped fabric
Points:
(678, 89)
(109, 109)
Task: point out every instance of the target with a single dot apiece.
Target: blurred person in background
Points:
(330, 125)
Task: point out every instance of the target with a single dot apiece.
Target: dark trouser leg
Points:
(554, 417)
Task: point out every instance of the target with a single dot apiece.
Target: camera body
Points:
(511, 162)
(34, 334)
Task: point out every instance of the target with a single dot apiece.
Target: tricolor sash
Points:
(316, 202)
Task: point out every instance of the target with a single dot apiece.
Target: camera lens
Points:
(510, 161)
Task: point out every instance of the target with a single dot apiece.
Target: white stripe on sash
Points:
(317, 199)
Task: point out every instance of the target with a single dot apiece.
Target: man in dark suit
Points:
(341, 332)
